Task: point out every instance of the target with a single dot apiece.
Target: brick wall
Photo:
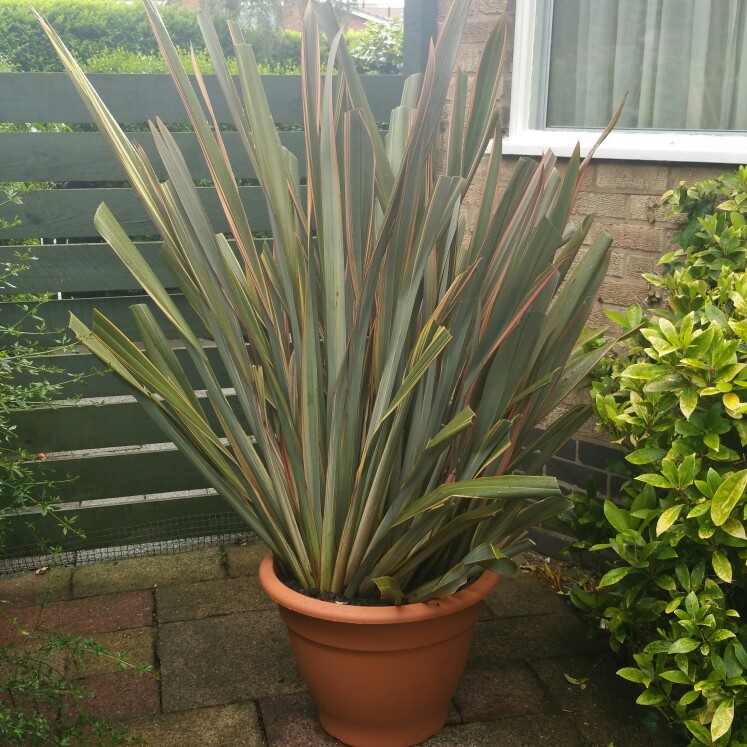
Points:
(625, 197)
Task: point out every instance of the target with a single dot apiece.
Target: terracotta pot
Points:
(381, 676)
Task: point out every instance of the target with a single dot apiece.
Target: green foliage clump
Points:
(378, 48)
(675, 599)
(24, 384)
(372, 52)
(114, 37)
(121, 61)
(713, 235)
(92, 28)
(39, 705)
(88, 26)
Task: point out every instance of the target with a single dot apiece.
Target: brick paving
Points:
(226, 677)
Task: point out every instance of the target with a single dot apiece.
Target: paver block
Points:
(454, 717)
(496, 690)
(244, 560)
(528, 731)
(30, 588)
(122, 696)
(222, 660)
(293, 721)
(604, 711)
(523, 594)
(536, 636)
(145, 573)
(28, 704)
(208, 598)
(103, 614)
(137, 646)
(14, 665)
(224, 726)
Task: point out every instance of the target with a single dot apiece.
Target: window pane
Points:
(682, 62)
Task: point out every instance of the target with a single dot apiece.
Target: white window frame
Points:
(629, 145)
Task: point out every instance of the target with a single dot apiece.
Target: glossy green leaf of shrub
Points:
(676, 399)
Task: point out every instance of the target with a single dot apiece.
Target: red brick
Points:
(616, 265)
(649, 208)
(622, 176)
(136, 645)
(603, 204)
(629, 236)
(476, 32)
(623, 294)
(638, 264)
(103, 614)
(122, 696)
(690, 173)
(36, 588)
(468, 58)
(491, 7)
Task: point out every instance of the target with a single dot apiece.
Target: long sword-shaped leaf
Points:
(225, 184)
(503, 486)
(137, 172)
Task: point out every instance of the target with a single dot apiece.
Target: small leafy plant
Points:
(675, 599)
(38, 704)
(378, 48)
(27, 381)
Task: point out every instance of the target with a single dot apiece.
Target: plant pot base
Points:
(380, 676)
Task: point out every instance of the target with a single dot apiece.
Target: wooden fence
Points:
(129, 484)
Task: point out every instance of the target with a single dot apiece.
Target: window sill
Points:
(633, 146)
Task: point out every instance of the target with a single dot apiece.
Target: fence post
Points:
(419, 28)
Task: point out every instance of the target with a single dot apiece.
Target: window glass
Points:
(682, 62)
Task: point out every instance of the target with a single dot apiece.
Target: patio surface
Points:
(227, 677)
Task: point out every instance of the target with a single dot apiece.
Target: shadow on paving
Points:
(227, 677)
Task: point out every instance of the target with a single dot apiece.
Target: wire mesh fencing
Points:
(165, 537)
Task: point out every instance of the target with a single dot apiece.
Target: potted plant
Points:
(390, 365)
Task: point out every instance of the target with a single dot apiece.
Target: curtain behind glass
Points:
(683, 62)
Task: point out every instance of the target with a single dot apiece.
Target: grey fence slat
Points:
(56, 315)
(131, 98)
(99, 381)
(92, 426)
(75, 268)
(125, 474)
(145, 521)
(82, 267)
(86, 427)
(86, 156)
(68, 213)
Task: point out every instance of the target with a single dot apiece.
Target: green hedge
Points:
(92, 28)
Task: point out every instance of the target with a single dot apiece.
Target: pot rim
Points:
(357, 614)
